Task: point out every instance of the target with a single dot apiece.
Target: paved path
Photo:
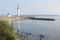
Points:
(13, 18)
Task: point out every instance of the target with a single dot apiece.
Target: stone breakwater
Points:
(31, 36)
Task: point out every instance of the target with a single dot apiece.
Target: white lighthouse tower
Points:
(18, 10)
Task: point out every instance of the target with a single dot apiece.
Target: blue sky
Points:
(31, 7)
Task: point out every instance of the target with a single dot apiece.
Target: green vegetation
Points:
(6, 31)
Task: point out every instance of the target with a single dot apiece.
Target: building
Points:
(18, 10)
(8, 15)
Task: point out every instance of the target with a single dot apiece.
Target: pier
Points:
(25, 18)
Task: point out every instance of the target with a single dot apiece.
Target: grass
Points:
(6, 31)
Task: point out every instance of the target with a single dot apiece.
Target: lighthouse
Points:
(18, 10)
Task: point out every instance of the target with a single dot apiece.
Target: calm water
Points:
(33, 29)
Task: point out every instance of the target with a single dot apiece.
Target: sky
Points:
(30, 7)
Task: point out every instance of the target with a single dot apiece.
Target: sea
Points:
(38, 29)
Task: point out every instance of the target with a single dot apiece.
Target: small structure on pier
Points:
(8, 15)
